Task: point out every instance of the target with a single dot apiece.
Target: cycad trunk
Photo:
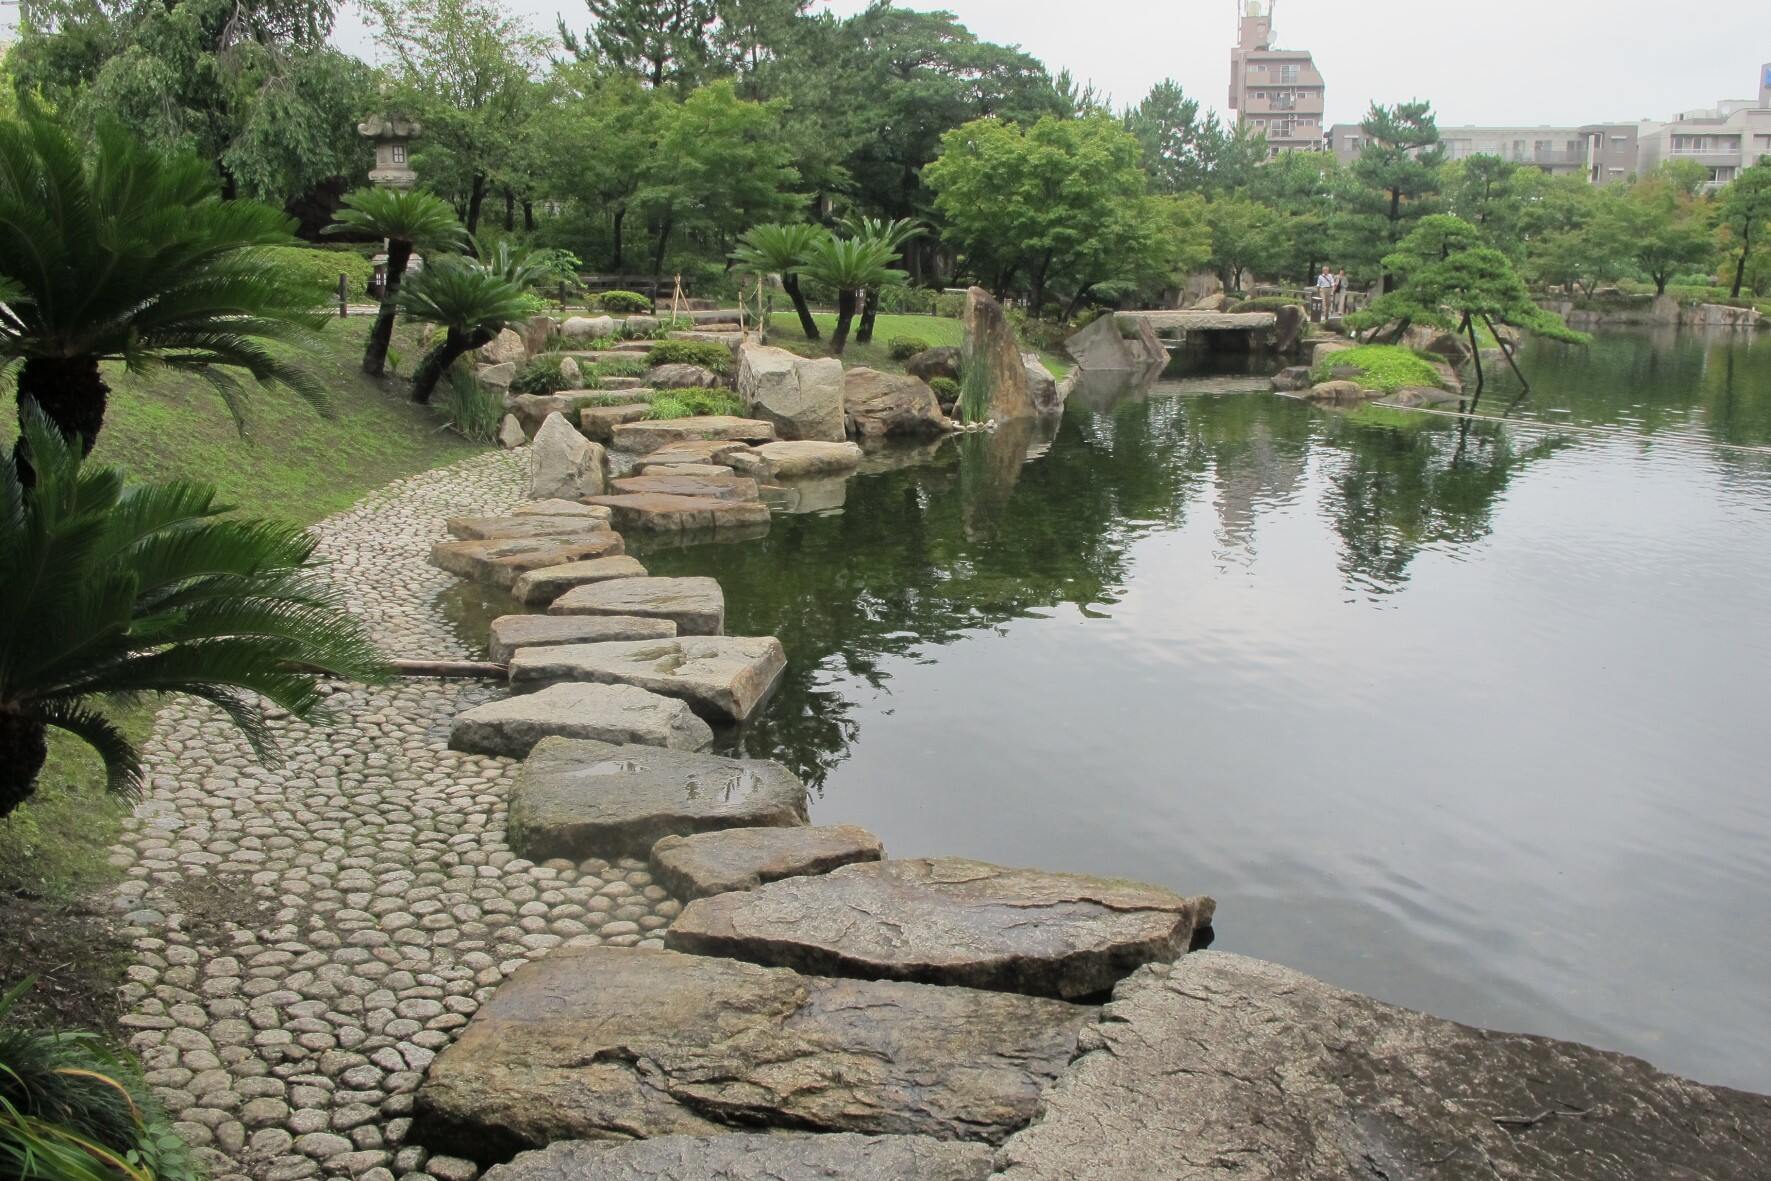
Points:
(399, 256)
(437, 361)
(807, 325)
(22, 752)
(71, 392)
(869, 310)
(845, 315)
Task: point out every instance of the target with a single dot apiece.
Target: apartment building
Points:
(1725, 139)
(1553, 149)
(1278, 91)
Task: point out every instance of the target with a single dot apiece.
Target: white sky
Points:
(1487, 62)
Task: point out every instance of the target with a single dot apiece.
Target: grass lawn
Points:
(933, 331)
(293, 464)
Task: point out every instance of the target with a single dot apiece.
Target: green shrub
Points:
(620, 367)
(902, 348)
(320, 270)
(541, 375)
(1380, 367)
(624, 303)
(710, 356)
(901, 298)
(946, 389)
(1266, 303)
(1046, 336)
(695, 403)
(471, 409)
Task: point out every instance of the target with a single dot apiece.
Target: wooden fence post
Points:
(343, 290)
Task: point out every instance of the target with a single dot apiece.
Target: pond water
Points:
(1466, 714)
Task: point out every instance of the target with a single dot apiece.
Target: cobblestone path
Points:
(305, 938)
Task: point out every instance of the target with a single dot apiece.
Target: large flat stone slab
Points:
(723, 678)
(522, 526)
(645, 437)
(1221, 1066)
(648, 468)
(745, 858)
(723, 485)
(949, 921)
(599, 422)
(658, 513)
(794, 458)
(696, 451)
(696, 604)
(606, 713)
(611, 1043)
(500, 563)
(539, 587)
(751, 1156)
(596, 799)
(508, 633)
(560, 508)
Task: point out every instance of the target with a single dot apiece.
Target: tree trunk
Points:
(399, 256)
(22, 752)
(845, 315)
(434, 365)
(71, 392)
(528, 215)
(510, 209)
(1076, 301)
(807, 325)
(1395, 220)
(663, 243)
(476, 198)
(1036, 296)
(1476, 356)
(1746, 249)
(620, 216)
(869, 312)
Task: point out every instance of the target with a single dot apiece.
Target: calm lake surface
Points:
(1471, 716)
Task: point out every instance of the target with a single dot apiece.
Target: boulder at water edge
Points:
(745, 858)
(1223, 1066)
(993, 355)
(950, 921)
(750, 1156)
(1100, 347)
(795, 459)
(606, 713)
(802, 397)
(595, 799)
(563, 463)
(624, 1043)
(877, 404)
(1042, 388)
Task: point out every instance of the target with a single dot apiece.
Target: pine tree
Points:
(1400, 161)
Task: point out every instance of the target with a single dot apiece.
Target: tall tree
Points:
(1400, 164)
(1662, 227)
(1245, 236)
(664, 42)
(1744, 214)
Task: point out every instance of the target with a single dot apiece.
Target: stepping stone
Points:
(622, 383)
(949, 921)
(599, 422)
(745, 858)
(606, 713)
(617, 1043)
(647, 468)
(696, 451)
(723, 678)
(500, 563)
(753, 1156)
(724, 485)
(804, 457)
(539, 587)
(529, 525)
(1221, 1066)
(594, 799)
(658, 513)
(696, 604)
(560, 508)
(646, 437)
(511, 632)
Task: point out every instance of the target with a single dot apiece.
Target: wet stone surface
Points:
(307, 938)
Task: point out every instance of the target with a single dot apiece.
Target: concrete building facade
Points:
(1277, 91)
(1725, 139)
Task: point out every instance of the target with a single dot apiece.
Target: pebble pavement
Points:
(307, 937)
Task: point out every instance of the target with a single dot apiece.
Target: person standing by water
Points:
(1340, 292)
(1325, 292)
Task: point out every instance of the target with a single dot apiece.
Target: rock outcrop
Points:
(563, 463)
(802, 397)
(877, 404)
(1042, 388)
(991, 354)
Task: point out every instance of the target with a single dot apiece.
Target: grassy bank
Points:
(933, 331)
(294, 464)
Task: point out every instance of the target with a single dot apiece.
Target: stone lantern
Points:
(392, 136)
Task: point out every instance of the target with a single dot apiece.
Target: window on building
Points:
(1288, 73)
(1619, 140)
(399, 153)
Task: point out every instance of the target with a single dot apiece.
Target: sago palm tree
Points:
(470, 303)
(778, 250)
(114, 252)
(894, 234)
(408, 220)
(522, 269)
(851, 266)
(150, 589)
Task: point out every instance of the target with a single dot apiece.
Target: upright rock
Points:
(563, 463)
(1223, 1066)
(510, 433)
(1100, 347)
(991, 354)
(802, 397)
(507, 346)
(877, 404)
(1042, 387)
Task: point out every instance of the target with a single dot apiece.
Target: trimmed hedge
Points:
(320, 269)
(626, 303)
(902, 348)
(705, 353)
(946, 389)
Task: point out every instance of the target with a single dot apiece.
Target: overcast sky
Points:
(1495, 61)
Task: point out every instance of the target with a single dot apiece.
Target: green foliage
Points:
(1265, 303)
(149, 590)
(901, 299)
(472, 409)
(974, 394)
(1398, 170)
(541, 375)
(422, 220)
(1744, 215)
(1381, 367)
(715, 358)
(470, 303)
(72, 1110)
(624, 303)
(903, 348)
(1187, 152)
(1246, 236)
(695, 403)
(950, 305)
(319, 270)
(620, 367)
(946, 389)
